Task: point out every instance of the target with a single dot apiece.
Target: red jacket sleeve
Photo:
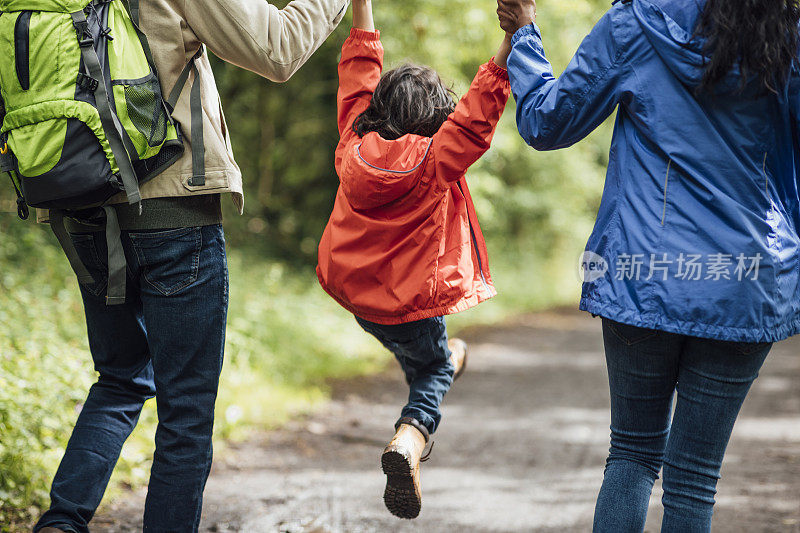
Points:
(468, 132)
(359, 74)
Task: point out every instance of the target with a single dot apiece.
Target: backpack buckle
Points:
(85, 38)
(22, 209)
(6, 158)
(87, 41)
(87, 82)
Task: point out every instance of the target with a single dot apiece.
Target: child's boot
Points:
(458, 349)
(401, 464)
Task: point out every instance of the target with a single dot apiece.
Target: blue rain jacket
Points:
(697, 228)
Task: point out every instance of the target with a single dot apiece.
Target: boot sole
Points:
(402, 496)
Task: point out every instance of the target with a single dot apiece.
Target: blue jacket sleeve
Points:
(555, 112)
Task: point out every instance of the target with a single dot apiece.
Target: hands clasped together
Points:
(514, 14)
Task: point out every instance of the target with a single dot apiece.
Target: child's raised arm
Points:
(468, 132)
(359, 72)
(501, 57)
(362, 15)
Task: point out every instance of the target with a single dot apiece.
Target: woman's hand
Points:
(514, 14)
(362, 15)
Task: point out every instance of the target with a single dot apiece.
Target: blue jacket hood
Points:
(675, 41)
(706, 179)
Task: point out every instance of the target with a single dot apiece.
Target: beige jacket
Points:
(251, 34)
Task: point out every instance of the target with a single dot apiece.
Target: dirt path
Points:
(521, 448)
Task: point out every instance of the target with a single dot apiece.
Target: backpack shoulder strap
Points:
(133, 7)
(117, 265)
(109, 120)
(196, 106)
(60, 231)
(195, 98)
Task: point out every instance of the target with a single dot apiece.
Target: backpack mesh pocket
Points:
(146, 111)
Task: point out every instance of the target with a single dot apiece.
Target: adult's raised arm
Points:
(257, 36)
(556, 112)
(467, 134)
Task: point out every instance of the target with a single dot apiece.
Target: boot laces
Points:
(427, 456)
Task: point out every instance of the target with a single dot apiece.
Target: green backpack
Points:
(83, 115)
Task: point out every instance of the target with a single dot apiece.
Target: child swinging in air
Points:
(403, 246)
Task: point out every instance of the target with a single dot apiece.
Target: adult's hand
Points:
(514, 14)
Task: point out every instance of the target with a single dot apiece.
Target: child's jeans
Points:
(421, 348)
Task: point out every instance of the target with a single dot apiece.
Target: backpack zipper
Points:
(22, 30)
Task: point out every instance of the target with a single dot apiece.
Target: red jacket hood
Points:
(403, 242)
(376, 171)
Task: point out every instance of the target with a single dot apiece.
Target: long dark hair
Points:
(760, 36)
(408, 99)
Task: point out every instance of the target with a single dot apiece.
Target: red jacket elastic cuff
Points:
(497, 70)
(359, 35)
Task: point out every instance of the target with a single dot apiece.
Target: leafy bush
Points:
(528, 202)
(285, 338)
(42, 377)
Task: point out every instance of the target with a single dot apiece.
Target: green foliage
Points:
(529, 203)
(285, 339)
(285, 336)
(41, 379)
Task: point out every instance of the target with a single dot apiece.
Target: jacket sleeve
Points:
(468, 132)
(555, 112)
(359, 73)
(257, 36)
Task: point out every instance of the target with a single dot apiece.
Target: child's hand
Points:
(362, 15)
(501, 57)
(514, 14)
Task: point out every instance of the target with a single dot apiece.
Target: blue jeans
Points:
(166, 341)
(645, 369)
(421, 348)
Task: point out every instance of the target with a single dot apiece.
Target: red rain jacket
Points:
(403, 241)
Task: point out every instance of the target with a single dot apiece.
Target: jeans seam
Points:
(729, 381)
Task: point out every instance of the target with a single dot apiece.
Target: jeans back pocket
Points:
(628, 334)
(89, 252)
(747, 348)
(170, 260)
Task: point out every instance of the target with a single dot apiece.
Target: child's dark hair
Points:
(408, 99)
